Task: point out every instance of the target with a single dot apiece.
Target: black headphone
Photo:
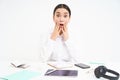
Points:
(100, 71)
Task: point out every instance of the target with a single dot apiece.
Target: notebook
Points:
(61, 72)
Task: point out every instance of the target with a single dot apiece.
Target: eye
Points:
(65, 16)
(58, 15)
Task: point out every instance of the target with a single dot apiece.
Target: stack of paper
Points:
(60, 65)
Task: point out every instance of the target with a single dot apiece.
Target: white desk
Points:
(83, 74)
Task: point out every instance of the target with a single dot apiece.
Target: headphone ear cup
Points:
(97, 72)
(100, 71)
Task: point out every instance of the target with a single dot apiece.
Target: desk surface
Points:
(83, 74)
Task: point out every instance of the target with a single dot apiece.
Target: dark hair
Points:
(62, 6)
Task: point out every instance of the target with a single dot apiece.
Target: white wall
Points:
(95, 24)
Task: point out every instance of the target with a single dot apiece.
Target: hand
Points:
(65, 33)
(55, 33)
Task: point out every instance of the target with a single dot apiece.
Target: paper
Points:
(60, 65)
(19, 64)
(22, 75)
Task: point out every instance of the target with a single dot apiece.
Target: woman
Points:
(58, 47)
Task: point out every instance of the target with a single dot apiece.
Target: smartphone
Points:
(82, 65)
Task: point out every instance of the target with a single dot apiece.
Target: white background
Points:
(95, 25)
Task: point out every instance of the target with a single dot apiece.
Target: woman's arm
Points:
(72, 50)
(47, 49)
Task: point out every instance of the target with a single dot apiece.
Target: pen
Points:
(52, 66)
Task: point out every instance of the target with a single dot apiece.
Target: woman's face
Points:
(61, 17)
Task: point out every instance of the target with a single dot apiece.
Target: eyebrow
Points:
(64, 12)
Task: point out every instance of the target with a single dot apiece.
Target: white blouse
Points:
(59, 50)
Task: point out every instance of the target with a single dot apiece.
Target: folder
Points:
(22, 75)
(71, 73)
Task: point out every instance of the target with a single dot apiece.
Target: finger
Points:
(65, 28)
(62, 30)
(57, 27)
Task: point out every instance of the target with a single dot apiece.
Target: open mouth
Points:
(61, 25)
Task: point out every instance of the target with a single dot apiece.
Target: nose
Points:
(61, 19)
